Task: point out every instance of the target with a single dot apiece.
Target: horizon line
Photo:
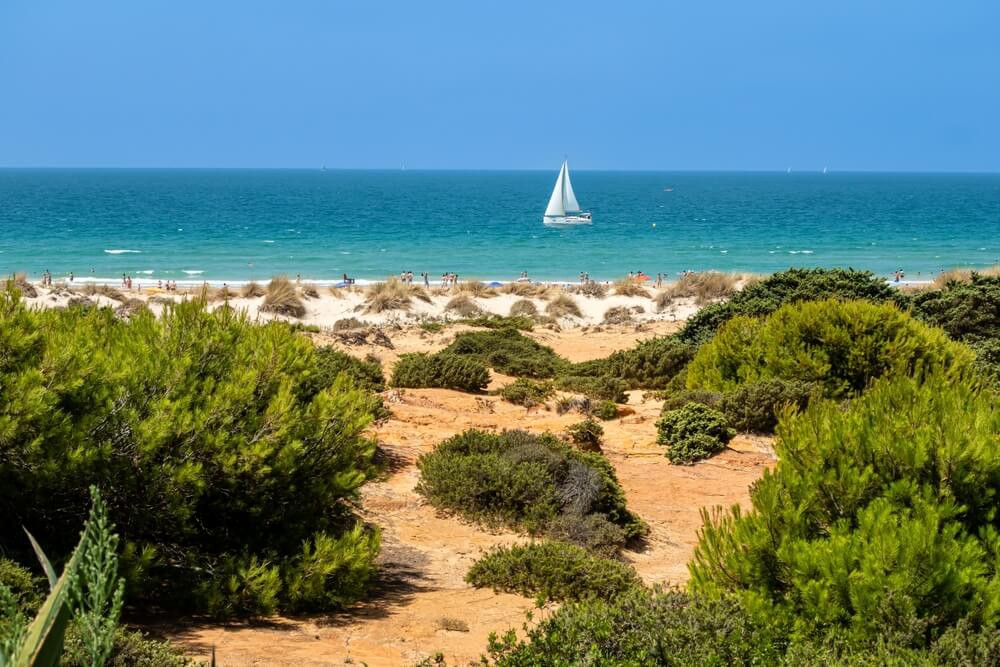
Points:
(810, 170)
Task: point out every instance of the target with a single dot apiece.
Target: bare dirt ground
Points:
(425, 555)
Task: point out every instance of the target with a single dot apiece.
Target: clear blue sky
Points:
(872, 84)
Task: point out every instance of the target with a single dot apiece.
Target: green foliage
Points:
(792, 286)
(553, 571)
(521, 480)
(603, 387)
(966, 311)
(693, 432)
(988, 359)
(587, 435)
(25, 588)
(678, 399)
(592, 532)
(606, 411)
(840, 346)
(641, 629)
(878, 521)
(330, 362)
(442, 370)
(508, 351)
(527, 392)
(755, 407)
(130, 648)
(649, 365)
(194, 427)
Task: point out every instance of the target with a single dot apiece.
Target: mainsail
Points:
(563, 200)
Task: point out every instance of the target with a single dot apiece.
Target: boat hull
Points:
(561, 220)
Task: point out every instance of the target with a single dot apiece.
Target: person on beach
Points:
(659, 280)
(427, 279)
(71, 276)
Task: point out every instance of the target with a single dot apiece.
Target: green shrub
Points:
(755, 407)
(678, 399)
(523, 481)
(553, 571)
(988, 359)
(840, 346)
(586, 435)
(192, 426)
(330, 362)
(604, 388)
(509, 352)
(441, 370)
(966, 311)
(606, 410)
(527, 392)
(523, 308)
(878, 521)
(27, 590)
(651, 364)
(130, 649)
(642, 629)
(792, 286)
(693, 432)
(593, 532)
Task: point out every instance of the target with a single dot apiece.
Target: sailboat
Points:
(563, 209)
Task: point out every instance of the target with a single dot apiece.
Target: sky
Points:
(482, 84)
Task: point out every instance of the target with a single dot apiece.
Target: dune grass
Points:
(104, 290)
(252, 290)
(474, 288)
(705, 287)
(626, 287)
(282, 298)
(526, 290)
(393, 294)
(962, 276)
(563, 306)
(310, 291)
(592, 289)
(618, 315)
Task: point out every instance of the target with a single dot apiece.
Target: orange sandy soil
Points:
(425, 554)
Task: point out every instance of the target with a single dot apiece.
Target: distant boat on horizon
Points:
(824, 170)
(563, 208)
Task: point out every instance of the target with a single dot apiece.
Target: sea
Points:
(235, 225)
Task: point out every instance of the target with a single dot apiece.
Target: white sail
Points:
(570, 204)
(556, 207)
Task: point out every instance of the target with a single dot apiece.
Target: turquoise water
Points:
(240, 224)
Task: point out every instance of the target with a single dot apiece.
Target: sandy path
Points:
(425, 555)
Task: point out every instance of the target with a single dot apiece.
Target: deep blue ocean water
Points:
(241, 224)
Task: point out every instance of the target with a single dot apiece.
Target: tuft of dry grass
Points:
(393, 294)
(104, 290)
(563, 306)
(464, 306)
(618, 315)
(475, 289)
(705, 287)
(662, 300)
(523, 308)
(22, 284)
(626, 287)
(338, 292)
(252, 290)
(942, 279)
(453, 624)
(592, 289)
(223, 294)
(524, 290)
(282, 298)
(310, 291)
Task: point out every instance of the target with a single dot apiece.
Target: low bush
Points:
(527, 392)
(442, 370)
(524, 481)
(474, 288)
(592, 532)
(651, 364)
(463, 306)
(606, 411)
(587, 435)
(393, 294)
(604, 388)
(252, 290)
(693, 432)
(330, 362)
(130, 648)
(755, 407)
(282, 299)
(553, 571)
(678, 399)
(523, 308)
(563, 305)
(704, 287)
(791, 286)
(966, 311)
(566, 404)
(988, 359)
(879, 521)
(348, 323)
(618, 315)
(210, 455)
(509, 352)
(839, 346)
(592, 289)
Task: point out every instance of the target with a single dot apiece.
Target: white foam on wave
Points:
(800, 252)
(269, 241)
(122, 252)
(193, 272)
(148, 272)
